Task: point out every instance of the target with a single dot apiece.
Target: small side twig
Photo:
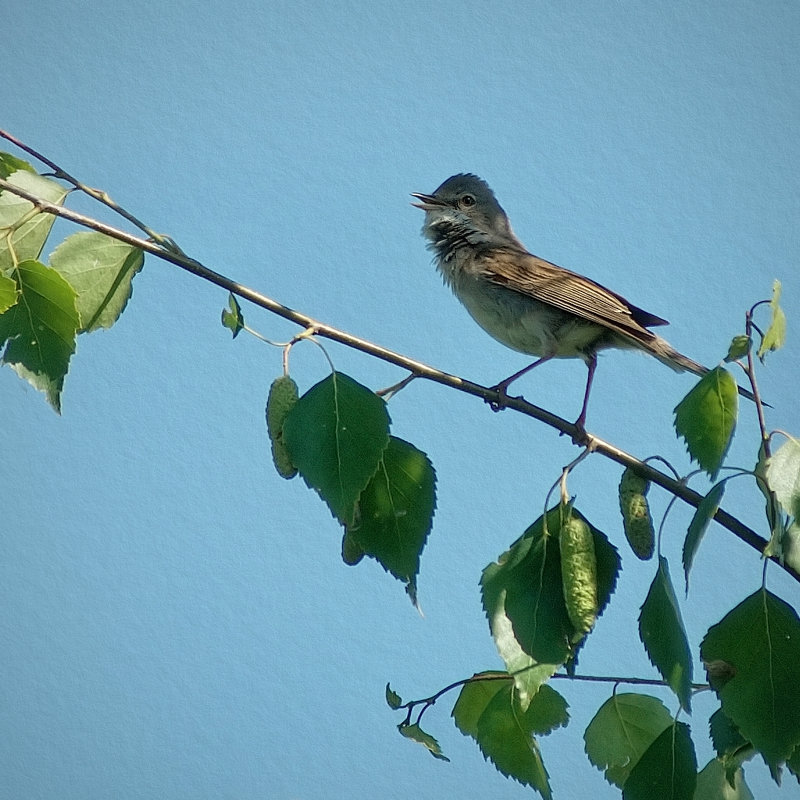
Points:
(616, 680)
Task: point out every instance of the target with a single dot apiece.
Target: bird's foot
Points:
(580, 436)
(498, 403)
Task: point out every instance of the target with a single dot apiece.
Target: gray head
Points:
(464, 211)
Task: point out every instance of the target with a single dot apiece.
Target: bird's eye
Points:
(467, 201)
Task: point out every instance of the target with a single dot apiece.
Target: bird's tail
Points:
(668, 355)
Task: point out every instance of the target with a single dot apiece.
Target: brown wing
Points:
(568, 291)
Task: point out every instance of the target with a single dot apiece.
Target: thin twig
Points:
(427, 702)
(97, 194)
(616, 679)
(751, 374)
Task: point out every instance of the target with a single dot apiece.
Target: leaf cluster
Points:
(44, 306)
(381, 488)
(750, 656)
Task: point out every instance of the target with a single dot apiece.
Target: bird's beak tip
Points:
(427, 201)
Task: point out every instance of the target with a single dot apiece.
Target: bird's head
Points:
(464, 207)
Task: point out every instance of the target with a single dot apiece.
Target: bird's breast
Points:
(519, 321)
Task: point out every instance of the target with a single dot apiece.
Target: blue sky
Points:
(177, 619)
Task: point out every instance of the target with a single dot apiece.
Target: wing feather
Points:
(568, 291)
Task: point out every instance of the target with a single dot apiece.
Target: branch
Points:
(427, 702)
(171, 253)
(97, 194)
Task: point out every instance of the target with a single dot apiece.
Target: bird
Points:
(528, 304)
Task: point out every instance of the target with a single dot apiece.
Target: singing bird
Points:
(525, 302)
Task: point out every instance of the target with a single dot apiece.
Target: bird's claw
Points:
(580, 436)
(502, 395)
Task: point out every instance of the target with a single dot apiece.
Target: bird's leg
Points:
(592, 365)
(502, 387)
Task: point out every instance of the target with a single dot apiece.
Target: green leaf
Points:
(759, 641)
(664, 637)
(232, 317)
(667, 770)
(395, 511)
(783, 476)
(706, 419)
(473, 698)
(731, 747)
(739, 347)
(528, 674)
(526, 584)
(523, 599)
(101, 270)
(335, 435)
(713, 783)
(776, 332)
(27, 227)
(793, 763)
(393, 700)
(772, 508)
(697, 527)
(416, 734)
(8, 293)
(10, 164)
(725, 736)
(622, 730)
(546, 712)
(489, 712)
(790, 546)
(40, 329)
(508, 743)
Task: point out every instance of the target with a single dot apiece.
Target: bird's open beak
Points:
(427, 201)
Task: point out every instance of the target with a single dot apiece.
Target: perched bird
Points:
(525, 302)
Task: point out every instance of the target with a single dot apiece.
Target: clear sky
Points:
(177, 621)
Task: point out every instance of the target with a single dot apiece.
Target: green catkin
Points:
(579, 574)
(636, 517)
(281, 400)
